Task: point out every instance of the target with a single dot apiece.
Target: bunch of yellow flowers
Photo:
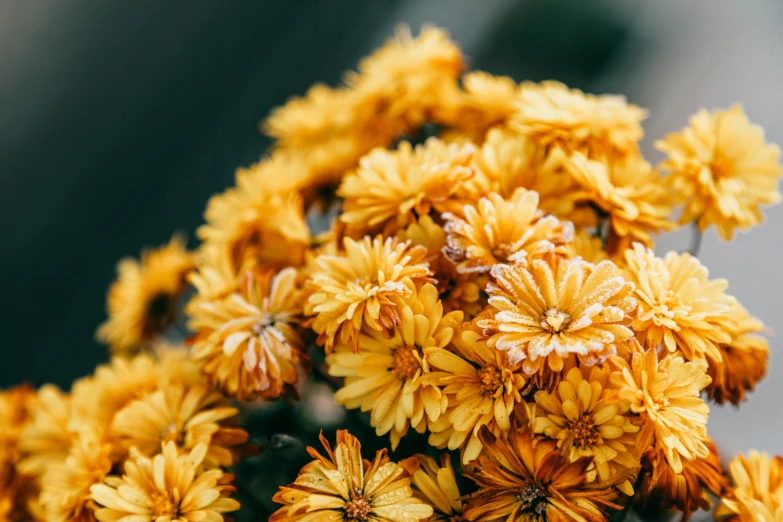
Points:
(472, 259)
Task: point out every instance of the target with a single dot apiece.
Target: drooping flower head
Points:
(250, 340)
(587, 420)
(358, 287)
(143, 300)
(483, 389)
(436, 484)
(757, 494)
(168, 487)
(557, 310)
(386, 376)
(343, 487)
(391, 189)
(497, 230)
(527, 479)
(666, 395)
(723, 170)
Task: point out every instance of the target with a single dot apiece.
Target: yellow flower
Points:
(666, 394)
(390, 189)
(557, 310)
(65, 493)
(143, 300)
(587, 420)
(343, 487)
(458, 291)
(552, 114)
(437, 485)
(526, 479)
(723, 170)
(758, 490)
(262, 217)
(385, 376)
(250, 340)
(679, 307)
(486, 101)
(483, 389)
(187, 416)
(507, 161)
(629, 191)
(743, 362)
(587, 247)
(168, 487)
(46, 438)
(690, 490)
(358, 287)
(15, 493)
(497, 230)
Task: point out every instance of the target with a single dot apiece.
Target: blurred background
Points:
(119, 119)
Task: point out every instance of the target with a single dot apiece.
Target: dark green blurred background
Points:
(118, 120)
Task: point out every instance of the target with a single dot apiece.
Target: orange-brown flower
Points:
(497, 230)
(526, 479)
(557, 310)
(250, 340)
(343, 487)
(359, 286)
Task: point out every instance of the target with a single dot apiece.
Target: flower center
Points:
(555, 321)
(357, 509)
(502, 252)
(172, 433)
(533, 499)
(490, 380)
(721, 167)
(583, 430)
(406, 362)
(163, 506)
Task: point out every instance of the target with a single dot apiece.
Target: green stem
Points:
(696, 241)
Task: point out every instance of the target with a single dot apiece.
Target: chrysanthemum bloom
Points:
(359, 286)
(437, 485)
(187, 416)
(65, 492)
(722, 170)
(250, 341)
(687, 491)
(46, 438)
(458, 291)
(587, 420)
(143, 300)
(257, 219)
(343, 487)
(552, 114)
(507, 161)
(385, 376)
(758, 490)
(666, 394)
(679, 307)
(557, 310)
(13, 415)
(483, 388)
(743, 362)
(586, 246)
(486, 101)
(497, 230)
(523, 478)
(629, 191)
(391, 189)
(168, 487)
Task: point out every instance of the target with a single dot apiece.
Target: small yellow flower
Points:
(391, 189)
(723, 170)
(552, 114)
(758, 489)
(437, 485)
(486, 101)
(586, 246)
(587, 420)
(497, 230)
(666, 395)
(167, 487)
(386, 376)
(46, 438)
(143, 300)
(558, 310)
(483, 389)
(250, 340)
(358, 287)
(343, 487)
(679, 307)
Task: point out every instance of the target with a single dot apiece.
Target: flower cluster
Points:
(458, 254)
